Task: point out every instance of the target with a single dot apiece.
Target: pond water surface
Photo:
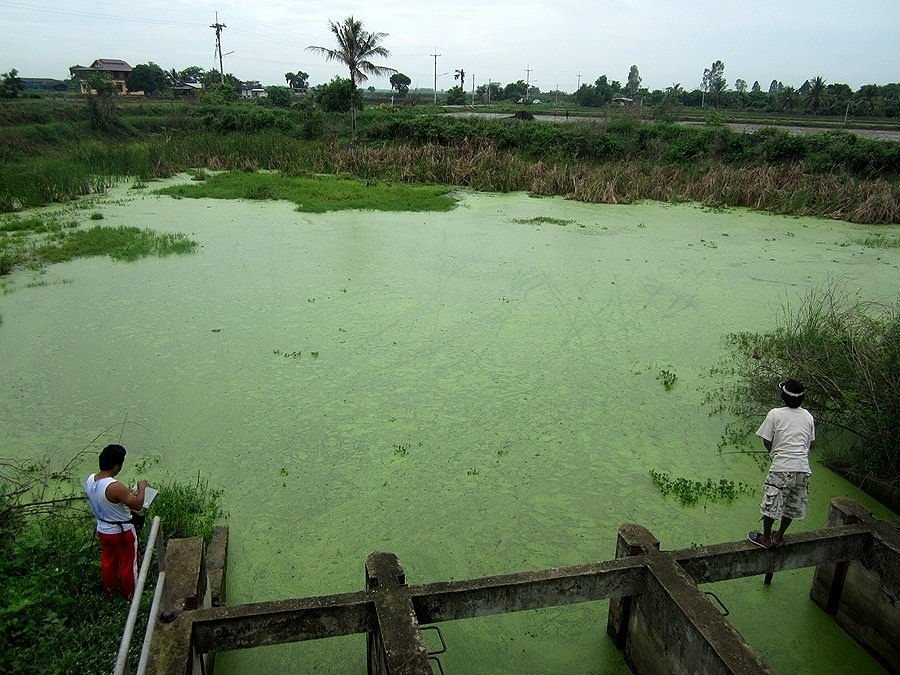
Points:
(474, 391)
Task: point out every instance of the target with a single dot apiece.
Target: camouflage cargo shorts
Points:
(785, 495)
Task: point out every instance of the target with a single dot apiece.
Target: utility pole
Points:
(218, 28)
(435, 76)
(489, 91)
(579, 82)
(527, 80)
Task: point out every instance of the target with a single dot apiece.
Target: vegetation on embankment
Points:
(846, 352)
(620, 160)
(53, 616)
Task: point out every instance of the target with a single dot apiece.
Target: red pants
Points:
(119, 562)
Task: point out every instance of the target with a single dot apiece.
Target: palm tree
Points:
(355, 47)
(673, 93)
(815, 97)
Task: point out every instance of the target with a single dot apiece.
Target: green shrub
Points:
(847, 353)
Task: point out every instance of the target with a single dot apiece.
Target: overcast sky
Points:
(551, 44)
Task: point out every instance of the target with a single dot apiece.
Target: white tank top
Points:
(105, 510)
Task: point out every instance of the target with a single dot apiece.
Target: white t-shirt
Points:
(791, 431)
(105, 510)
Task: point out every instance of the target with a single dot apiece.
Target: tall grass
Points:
(847, 353)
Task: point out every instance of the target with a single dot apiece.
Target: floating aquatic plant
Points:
(690, 492)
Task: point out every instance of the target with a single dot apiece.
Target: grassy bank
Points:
(622, 160)
(53, 616)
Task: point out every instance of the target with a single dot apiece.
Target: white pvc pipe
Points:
(122, 658)
(151, 624)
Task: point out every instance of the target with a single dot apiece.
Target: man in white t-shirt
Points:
(788, 433)
(112, 503)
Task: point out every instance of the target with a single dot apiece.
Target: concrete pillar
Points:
(394, 645)
(632, 539)
(864, 595)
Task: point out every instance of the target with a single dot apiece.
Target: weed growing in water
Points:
(668, 379)
(690, 492)
(878, 241)
(287, 355)
(315, 355)
(544, 220)
(138, 185)
(401, 449)
(96, 215)
(472, 472)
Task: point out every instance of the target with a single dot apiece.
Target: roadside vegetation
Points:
(846, 351)
(53, 616)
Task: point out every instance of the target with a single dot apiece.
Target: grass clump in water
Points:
(319, 194)
(124, 243)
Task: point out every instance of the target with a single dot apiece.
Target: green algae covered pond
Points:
(477, 391)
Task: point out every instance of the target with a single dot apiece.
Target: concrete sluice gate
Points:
(658, 616)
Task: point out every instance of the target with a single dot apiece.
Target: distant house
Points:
(253, 90)
(623, 101)
(43, 84)
(116, 69)
(187, 89)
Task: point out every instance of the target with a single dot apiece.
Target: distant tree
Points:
(174, 78)
(401, 83)
(192, 74)
(740, 86)
(337, 95)
(788, 98)
(212, 78)
(606, 90)
(514, 90)
(101, 100)
(634, 82)
(279, 96)
(867, 100)
(461, 76)
(673, 94)
(814, 97)
(756, 87)
(355, 47)
(489, 92)
(148, 78)
(10, 84)
(455, 96)
(298, 80)
(714, 80)
(586, 96)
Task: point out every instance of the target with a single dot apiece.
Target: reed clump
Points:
(847, 353)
